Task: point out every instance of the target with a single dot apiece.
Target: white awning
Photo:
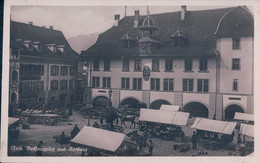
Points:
(170, 108)
(246, 129)
(99, 138)
(12, 120)
(244, 116)
(167, 117)
(214, 125)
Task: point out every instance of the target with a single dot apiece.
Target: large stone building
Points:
(43, 66)
(200, 60)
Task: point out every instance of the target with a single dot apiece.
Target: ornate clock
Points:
(145, 48)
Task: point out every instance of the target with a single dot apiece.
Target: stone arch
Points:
(14, 75)
(101, 101)
(196, 109)
(231, 109)
(13, 98)
(157, 103)
(130, 101)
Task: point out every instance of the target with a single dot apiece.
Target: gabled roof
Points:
(198, 26)
(128, 36)
(21, 32)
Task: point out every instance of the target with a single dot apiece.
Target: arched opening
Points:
(230, 111)
(13, 98)
(196, 109)
(130, 102)
(101, 102)
(14, 75)
(157, 104)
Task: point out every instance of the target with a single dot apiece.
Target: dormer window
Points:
(125, 44)
(52, 47)
(28, 45)
(61, 48)
(128, 40)
(179, 39)
(36, 45)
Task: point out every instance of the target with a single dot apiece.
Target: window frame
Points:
(188, 84)
(106, 82)
(154, 64)
(137, 83)
(96, 64)
(155, 84)
(235, 81)
(127, 61)
(107, 65)
(125, 83)
(233, 68)
(189, 67)
(52, 88)
(55, 70)
(95, 82)
(137, 65)
(166, 81)
(234, 45)
(204, 85)
(63, 84)
(171, 65)
(63, 70)
(203, 64)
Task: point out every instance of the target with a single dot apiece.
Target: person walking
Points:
(39, 148)
(194, 140)
(150, 145)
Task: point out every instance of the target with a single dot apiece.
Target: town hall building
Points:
(199, 60)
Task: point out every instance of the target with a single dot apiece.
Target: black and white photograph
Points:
(119, 80)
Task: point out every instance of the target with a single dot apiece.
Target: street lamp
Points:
(110, 95)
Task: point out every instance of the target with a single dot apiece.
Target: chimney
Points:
(30, 24)
(51, 29)
(136, 21)
(183, 12)
(117, 17)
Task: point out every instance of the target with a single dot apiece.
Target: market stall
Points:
(170, 108)
(164, 124)
(244, 116)
(13, 129)
(214, 133)
(99, 140)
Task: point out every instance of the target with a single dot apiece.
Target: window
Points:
(96, 65)
(235, 85)
(64, 70)
(137, 83)
(203, 85)
(203, 64)
(188, 85)
(106, 82)
(236, 64)
(188, 64)
(138, 64)
(95, 82)
(63, 84)
(31, 70)
(71, 84)
(155, 65)
(106, 65)
(125, 82)
(179, 41)
(40, 86)
(125, 43)
(155, 84)
(54, 85)
(168, 65)
(168, 84)
(54, 70)
(236, 43)
(125, 65)
(73, 70)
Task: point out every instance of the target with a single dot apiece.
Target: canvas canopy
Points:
(12, 120)
(167, 117)
(244, 116)
(170, 108)
(246, 129)
(214, 125)
(99, 138)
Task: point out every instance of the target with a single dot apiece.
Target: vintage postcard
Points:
(140, 80)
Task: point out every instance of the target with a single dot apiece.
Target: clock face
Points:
(145, 48)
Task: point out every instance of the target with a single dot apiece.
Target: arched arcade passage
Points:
(196, 109)
(131, 102)
(157, 104)
(13, 98)
(230, 111)
(14, 75)
(101, 101)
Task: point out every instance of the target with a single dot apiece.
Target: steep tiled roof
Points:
(237, 22)
(21, 32)
(199, 27)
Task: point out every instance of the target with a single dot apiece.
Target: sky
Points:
(83, 20)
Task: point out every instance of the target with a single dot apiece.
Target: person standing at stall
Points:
(150, 145)
(194, 140)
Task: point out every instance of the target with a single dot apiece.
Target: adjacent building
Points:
(43, 67)
(200, 60)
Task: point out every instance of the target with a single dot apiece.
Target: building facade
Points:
(43, 67)
(200, 60)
